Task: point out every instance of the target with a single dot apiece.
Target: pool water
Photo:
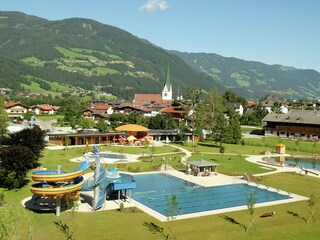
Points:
(152, 190)
(310, 163)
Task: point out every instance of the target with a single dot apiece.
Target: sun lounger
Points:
(268, 214)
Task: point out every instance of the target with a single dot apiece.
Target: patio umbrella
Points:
(131, 138)
(132, 128)
(149, 138)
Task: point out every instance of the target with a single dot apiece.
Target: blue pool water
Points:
(152, 190)
(310, 163)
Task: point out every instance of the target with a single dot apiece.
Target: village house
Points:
(295, 123)
(16, 109)
(98, 111)
(236, 106)
(44, 109)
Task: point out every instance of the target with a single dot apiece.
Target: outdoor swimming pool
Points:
(310, 163)
(152, 190)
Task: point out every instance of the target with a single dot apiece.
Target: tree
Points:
(251, 201)
(15, 162)
(27, 116)
(160, 121)
(116, 119)
(173, 210)
(230, 96)
(137, 118)
(210, 116)
(193, 95)
(3, 119)
(155, 122)
(233, 133)
(86, 123)
(101, 125)
(180, 138)
(313, 200)
(32, 138)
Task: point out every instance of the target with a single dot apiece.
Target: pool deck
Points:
(207, 181)
(217, 180)
(127, 158)
(84, 204)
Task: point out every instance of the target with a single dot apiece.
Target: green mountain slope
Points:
(255, 79)
(85, 53)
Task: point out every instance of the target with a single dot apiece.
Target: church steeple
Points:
(167, 90)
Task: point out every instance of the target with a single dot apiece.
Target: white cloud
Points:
(153, 5)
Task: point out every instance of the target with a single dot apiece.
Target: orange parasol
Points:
(132, 128)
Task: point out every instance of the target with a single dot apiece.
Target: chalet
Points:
(97, 111)
(44, 109)
(177, 112)
(236, 106)
(129, 108)
(141, 98)
(95, 114)
(295, 123)
(102, 107)
(251, 103)
(16, 109)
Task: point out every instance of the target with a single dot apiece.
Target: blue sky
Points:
(282, 32)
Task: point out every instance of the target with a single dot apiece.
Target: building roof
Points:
(99, 106)
(270, 101)
(46, 107)
(140, 98)
(295, 116)
(251, 103)
(173, 109)
(234, 105)
(12, 104)
(159, 132)
(138, 108)
(202, 163)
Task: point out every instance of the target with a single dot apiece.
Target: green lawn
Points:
(288, 223)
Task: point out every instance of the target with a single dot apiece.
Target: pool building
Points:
(201, 168)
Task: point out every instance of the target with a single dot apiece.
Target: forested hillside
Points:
(38, 55)
(255, 79)
(87, 54)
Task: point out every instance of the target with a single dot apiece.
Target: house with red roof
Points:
(16, 109)
(101, 107)
(144, 98)
(44, 109)
(177, 112)
(98, 111)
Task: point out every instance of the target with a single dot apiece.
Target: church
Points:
(164, 98)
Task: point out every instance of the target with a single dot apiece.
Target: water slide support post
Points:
(58, 198)
(96, 175)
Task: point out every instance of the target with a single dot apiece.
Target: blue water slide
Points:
(101, 200)
(107, 186)
(83, 166)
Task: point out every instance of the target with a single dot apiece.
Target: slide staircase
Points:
(106, 186)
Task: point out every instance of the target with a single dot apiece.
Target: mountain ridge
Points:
(242, 76)
(86, 53)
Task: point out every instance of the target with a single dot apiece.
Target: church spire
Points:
(168, 83)
(167, 90)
